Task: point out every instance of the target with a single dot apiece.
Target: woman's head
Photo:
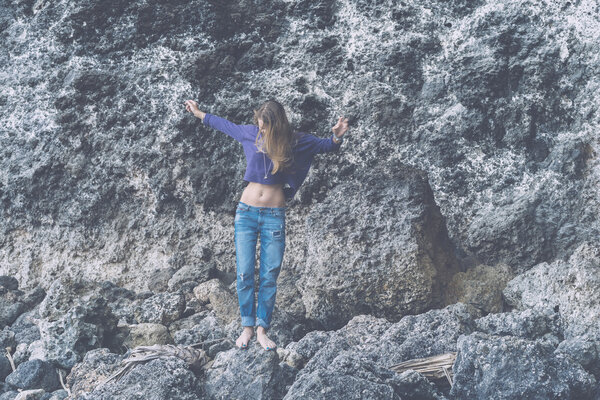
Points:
(275, 134)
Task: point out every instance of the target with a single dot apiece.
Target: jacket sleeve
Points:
(235, 131)
(323, 145)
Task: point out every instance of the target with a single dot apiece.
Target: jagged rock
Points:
(32, 394)
(162, 308)
(508, 367)
(82, 328)
(208, 328)
(481, 287)
(96, 366)
(249, 373)
(7, 338)
(35, 374)
(14, 302)
(570, 287)
(528, 324)
(345, 234)
(147, 334)
(380, 343)
(158, 379)
(63, 294)
(8, 282)
(5, 367)
(223, 301)
(158, 281)
(58, 395)
(297, 354)
(351, 376)
(25, 327)
(202, 291)
(195, 273)
(122, 301)
(9, 395)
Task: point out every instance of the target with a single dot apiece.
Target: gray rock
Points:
(159, 379)
(63, 294)
(414, 336)
(189, 321)
(147, 334)
(585, 350)
(7, 338)
(206, 329)
(507, 367)
(195, 273)
(82, 328)
(344, 234)
(528, 324)
(32, 394)
(481, 287)
(9, 282)
(25, 327)
(221, 299)
(570, 287)
(297, 354)
(162, 308)
(58, 395)
(250, 373)
(350, 376)
(35, 374)
(10, 395)
(96, 366)
(5, 367)
(158, 281)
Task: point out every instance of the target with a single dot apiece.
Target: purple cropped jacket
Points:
(259, 165)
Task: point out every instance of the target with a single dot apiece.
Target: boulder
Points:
(161, 308)
(570, 287)
(480, 286)
(83, 327)
(160, 379)
(379, 247)
(147, 334)
(249, 373)
(35, 374)
(509, 367)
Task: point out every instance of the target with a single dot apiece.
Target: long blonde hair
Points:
(277, 136)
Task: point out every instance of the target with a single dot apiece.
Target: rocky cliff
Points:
(461, 214)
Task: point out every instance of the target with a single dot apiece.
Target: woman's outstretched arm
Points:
(332, 143)
(221, 124)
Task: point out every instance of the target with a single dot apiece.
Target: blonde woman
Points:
(276, 157)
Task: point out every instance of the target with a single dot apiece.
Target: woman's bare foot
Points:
(242, 341)
(263, 339)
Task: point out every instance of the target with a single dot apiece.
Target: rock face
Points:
(383, 278)
(570, 286)
(511, 368)
(471, 164)
(353, 360)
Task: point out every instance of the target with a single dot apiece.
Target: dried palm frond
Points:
(195, 358)
(435, 367)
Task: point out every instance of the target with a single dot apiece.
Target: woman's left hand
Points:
(341, 127)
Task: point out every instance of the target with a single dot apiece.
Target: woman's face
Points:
(260, 124)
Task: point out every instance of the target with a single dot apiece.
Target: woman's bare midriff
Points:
(261, 195)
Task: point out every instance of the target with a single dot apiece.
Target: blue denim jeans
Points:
(269, 223)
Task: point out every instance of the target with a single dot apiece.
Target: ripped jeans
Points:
(269, 222)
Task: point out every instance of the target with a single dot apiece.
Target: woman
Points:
(275, 156)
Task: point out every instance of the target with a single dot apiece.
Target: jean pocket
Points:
(242, 207)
